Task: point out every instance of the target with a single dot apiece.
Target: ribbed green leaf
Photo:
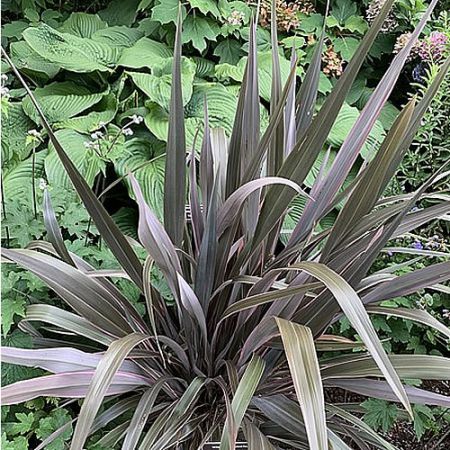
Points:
(82, 25)
(157, 86)
(145, 53)
(85, 159)
(70, 52)
(60, 101)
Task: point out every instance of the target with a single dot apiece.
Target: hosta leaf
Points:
(24, 57)
(344, 123)
(103, 112)
(85, 159)
(15, 127)
(60, 101)
(18, 182)
(157, 86)
(236, 73)
(150, 176)
(118, 36)
(198, 30)
(70, 52)
(82, 25)
(145, 53)
(222, 105)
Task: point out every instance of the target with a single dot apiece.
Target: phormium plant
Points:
(237, 356)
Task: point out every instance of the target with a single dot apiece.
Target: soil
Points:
(402, 434)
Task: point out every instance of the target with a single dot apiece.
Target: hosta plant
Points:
(240, 351)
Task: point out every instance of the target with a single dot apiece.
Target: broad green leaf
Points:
(85, 160)
(157, 86)
(236, 72)
(15, 127)
(346, 46)
(145, 53)
(82, 25)
(119, 12)
(140, 158)
(344, 123)
(70, 52)
(199, 30)
(304, 367)
(18, 182)
(119, 37)
(229, 51)
(24, 57)
(102, 113)
(206, 6)
(60, 101)
(166, 11)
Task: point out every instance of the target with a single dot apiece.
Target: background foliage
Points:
(101, 71)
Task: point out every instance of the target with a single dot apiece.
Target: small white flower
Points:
(42, 184)
(97, 135)
(34, 133)
(236, 18)
(4, 77)
(4, 91)
(137, 119)
(127, 132)
(88, 144)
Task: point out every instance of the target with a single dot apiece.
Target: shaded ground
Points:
(402, 434)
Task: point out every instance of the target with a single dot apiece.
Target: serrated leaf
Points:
(11, 307)
(229, 51)
(24, 424)
(60, 101)
(166, 11)
(206, 6)
(15, 126)
(199, 30)
(379, 414)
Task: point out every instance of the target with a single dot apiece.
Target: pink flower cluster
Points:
(433, 47)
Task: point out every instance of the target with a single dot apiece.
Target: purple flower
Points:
(433, 47)
(417, 245)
